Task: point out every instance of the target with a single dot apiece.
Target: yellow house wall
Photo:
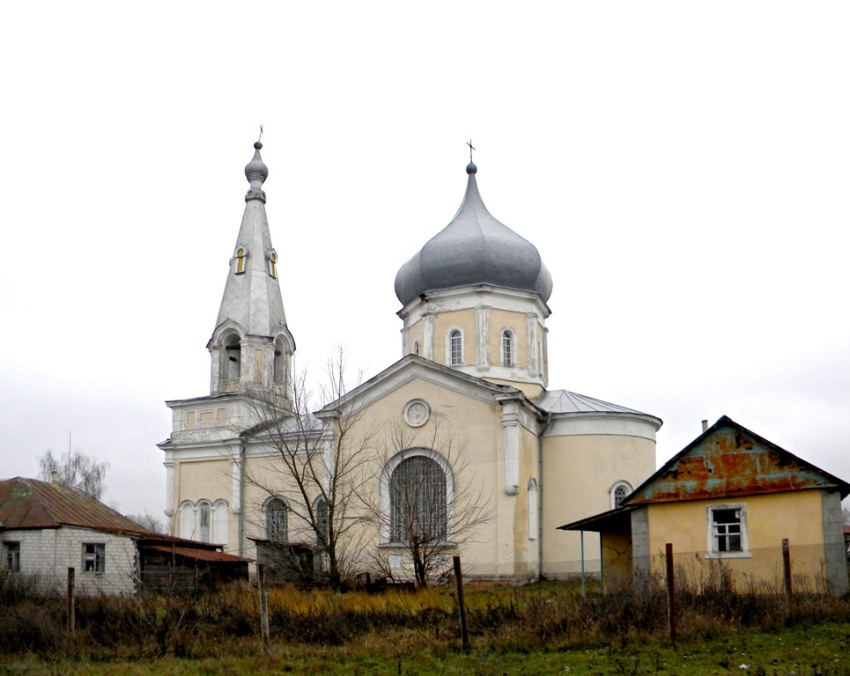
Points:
(616, 560)
(684, 524)
(578, 473)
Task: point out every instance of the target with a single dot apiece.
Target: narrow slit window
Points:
(241, 259)
(456, 348)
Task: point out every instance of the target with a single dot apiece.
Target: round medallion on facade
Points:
(416, 412)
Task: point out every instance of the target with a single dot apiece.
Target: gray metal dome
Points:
(474, 249)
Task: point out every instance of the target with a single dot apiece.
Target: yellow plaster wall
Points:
(616, 560)
(500, 320)
(579, 471)
(684, 524)
(465, 321)
(210, 479)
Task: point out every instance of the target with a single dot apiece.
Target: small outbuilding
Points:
(730, 497)
(48, 528)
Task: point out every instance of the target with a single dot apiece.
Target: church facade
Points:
(459, 447)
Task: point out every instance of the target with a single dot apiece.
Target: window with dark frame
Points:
(418, 501)
(277, 526)
(12, 556)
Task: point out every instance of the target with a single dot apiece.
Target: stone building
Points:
(466, 411)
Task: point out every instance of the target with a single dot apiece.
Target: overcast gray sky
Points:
(682, 168)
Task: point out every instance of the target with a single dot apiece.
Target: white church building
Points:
(465, 418)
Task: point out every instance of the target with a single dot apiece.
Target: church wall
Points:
(500, 320)
(578, 475)
(463, 320)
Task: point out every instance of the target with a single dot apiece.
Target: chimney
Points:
(704, 425)
(54, 476)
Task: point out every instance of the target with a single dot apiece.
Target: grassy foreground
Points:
(546, 628)
(802, 650)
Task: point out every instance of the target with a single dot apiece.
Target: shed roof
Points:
(199, 554)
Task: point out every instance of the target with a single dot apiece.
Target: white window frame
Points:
(450, 352)
(507, 340)
(712, 549)
(385, 493)
(619, 484)
(94, 553)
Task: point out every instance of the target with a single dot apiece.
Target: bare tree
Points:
(317, 467)
(428, 502)
(76, 469)
(149, 522)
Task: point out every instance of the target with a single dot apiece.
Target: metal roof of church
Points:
(563, 401)
(474, 249)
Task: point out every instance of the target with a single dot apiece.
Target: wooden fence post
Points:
(264, 606)
(71, 629)
(786, 566)
(464, 631)
(671, 592)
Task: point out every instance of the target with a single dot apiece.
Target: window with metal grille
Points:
(418, 501)
(619, 493)
(277, 527)
(507, 348)
(94, 557)
(456, 347)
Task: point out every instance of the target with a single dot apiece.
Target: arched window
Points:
(186, 522)
(204, 522)
(455, 348)
(320, 509)
(219, 531)
(277, 526)
(532, 510)
(416, 347)
(507, 348)
(619, 492)
(273, 263)
(418, 509)
(241, 259)
(231, 367)
(279, 362)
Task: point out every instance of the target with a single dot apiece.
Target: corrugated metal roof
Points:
(563, 401)
(200, 554)
(29, 503)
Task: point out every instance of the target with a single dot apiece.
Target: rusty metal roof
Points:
(729, 460)
(199, 554)
(29, 503)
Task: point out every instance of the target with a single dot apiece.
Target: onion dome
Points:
(256, 172)
(474, 249)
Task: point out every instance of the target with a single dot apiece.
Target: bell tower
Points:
(251, 347)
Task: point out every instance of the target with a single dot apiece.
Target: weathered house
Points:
(730, 496)
(46, 528)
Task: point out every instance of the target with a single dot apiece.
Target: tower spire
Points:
(251, 346)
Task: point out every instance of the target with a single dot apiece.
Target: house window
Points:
(418, 504)
(507, 348)
(619, 492)
(94, 557)
(727, 530)
(455, 348)
(12, 556)
(276, 521)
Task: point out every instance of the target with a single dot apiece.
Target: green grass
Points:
(806, 649)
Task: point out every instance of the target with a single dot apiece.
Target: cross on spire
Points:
(471, 148)
(259, 138)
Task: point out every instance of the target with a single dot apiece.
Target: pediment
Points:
(728, 460)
